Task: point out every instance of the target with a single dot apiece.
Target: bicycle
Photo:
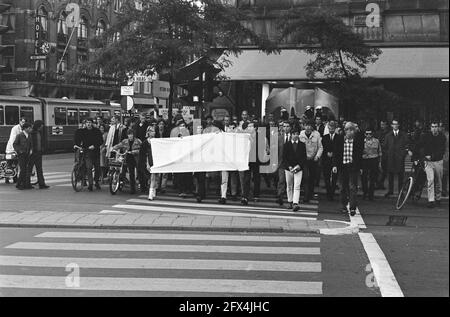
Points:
(414, 184)
(116, 167)
(78, 176)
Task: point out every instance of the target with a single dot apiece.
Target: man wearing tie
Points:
(23, 147)
(284, 137)
(396, 148)
(329, 142)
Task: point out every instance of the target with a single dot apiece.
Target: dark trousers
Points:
(349, 185)
(201, 179)
(400, 176)
(281, 186)
(329, 177)
(131, 169)
(93, 162)
(383, 173)
(256, 177)
(184, 182)
(36, 160)
(143, 175)
(310, 177)
(24, 174)
(369, 176)
(244, 178)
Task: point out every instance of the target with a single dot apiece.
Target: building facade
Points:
(40, 48)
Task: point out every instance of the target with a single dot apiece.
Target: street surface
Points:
(33, 261)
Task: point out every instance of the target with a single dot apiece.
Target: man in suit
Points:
(294, 160)
(329, 142)
(141, 127)
(395, 148)
(38, 149)
(23, 146)
(91, 142)
(348, 162)
(284, 137)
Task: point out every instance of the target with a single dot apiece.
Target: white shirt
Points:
(15, 131)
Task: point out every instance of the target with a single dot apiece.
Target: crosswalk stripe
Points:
(164, 285)
(166, 264)
(55, 173)
(56, 181)
(206, 212)
(227, 207)
(164, 248)
(112, 212)
(184, 237)
(62, 176)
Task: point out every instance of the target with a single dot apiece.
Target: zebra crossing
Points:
(58, 179)
(168, 263)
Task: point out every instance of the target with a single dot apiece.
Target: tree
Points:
(340, 53)
(162, 36)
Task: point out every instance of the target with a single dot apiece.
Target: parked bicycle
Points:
(413, 185)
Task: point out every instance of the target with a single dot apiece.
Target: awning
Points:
(407, 62)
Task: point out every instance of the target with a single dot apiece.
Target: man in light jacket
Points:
(314, 149)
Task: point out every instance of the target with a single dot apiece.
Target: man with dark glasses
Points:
(371, 162)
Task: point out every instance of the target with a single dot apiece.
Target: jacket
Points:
(292, 158)
(23, 144)
(141, 131)
(329, 146)
(15, 131)
(124, 146)
(395, 150)
(313, 144)
(358, 148)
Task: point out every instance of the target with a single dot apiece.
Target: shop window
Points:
(60, 116)
(2, 116)
(11, 115)
(148, 87)
(72, 117)
(84, 114)
(137, 87)
(27, 113)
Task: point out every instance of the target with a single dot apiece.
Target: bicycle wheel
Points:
(114, 183)
(76, 179)
(404, 193)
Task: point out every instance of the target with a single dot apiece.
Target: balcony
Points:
(370, 34)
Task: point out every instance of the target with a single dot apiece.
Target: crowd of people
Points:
(309, 148)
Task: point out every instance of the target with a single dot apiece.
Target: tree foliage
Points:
(339, 52)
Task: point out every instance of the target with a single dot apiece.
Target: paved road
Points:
(33, 262)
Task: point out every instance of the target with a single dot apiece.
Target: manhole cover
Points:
(397, 221)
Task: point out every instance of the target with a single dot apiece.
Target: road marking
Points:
(61, 176)
(164, 285)
(163, 264)
(205, 212)
(165, 236)
(382, 271)
(227, 207)
(55, 181)
(163, 248)
(55, 173)
(112, 212)
(358, 220)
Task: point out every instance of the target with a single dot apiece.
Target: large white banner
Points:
(201, 153)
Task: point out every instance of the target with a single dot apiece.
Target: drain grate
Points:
(397, 221)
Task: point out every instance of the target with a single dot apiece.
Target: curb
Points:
(350, 229)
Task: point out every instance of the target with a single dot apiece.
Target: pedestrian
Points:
(141, 127)
(117, 133)
(228, 176)
(432, 149)
(182, 180)
(23, 146)
(347, 161)
(314, 149)
(396, 148)
(329, 142)
(444, 130)
(371, 162)
(161, 178)
(15, 131)
(381, 135)
(145, 154)
(245, 176)
(294, 160)
(92, 139)
(131, 146)
(38, 149)
(284, 137)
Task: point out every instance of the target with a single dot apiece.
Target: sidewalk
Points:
(164, 221)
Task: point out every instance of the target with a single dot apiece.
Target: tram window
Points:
(95, 114)
(2, 116)
(72, 116)
(11, 115)
(27, 113)
(105, 114)
(84, 114)
(60, 116)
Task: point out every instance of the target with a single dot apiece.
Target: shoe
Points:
(222, 201)
(29, 187)
(352, 212)
(6, 180)
(44, 187)
(290, 206)
(296, 207)
(97, 185)
(316, 196)
(388, 194)
(430, 205)
(344, 210)
(280, 201)
(90, 188)
(244, 201)
(20, 187)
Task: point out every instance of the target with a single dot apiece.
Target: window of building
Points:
(27, 113)
(11, 115)
(72, 116)
(116, 37)
(2, 116)
(60, 116)
(117, 5)
(41, 65)
(83, 29)
(62, 24)
(101, 28)
(8, 19)
(137, 87)
(82, 58)
(8, 58)
(84, 114)
(148, 87)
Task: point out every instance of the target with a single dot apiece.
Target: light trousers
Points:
(293, 183)
(226, 176)
(434, 171)
(153, 186)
